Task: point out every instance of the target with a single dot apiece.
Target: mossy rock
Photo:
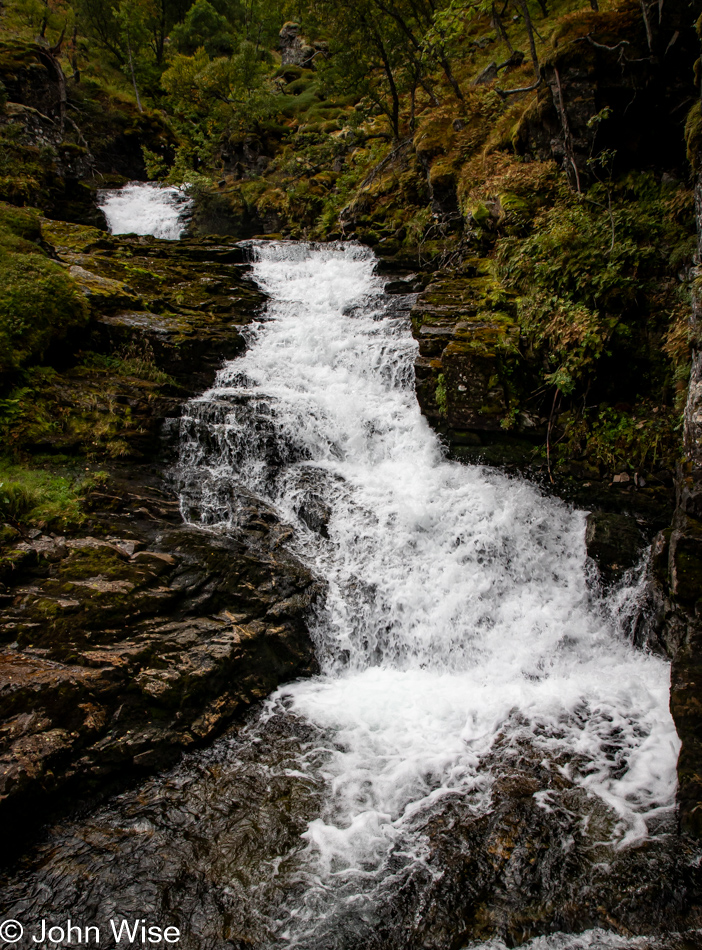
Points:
(104, 294)
(39, 301)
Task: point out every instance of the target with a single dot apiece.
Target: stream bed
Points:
(483, 758)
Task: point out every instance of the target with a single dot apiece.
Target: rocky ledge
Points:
(127, 636)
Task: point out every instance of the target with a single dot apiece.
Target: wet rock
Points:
(316, 514)
(112, 663)
(407, 285)
(527, 864)
(614, 542)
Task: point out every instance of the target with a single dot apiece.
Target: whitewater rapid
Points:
(146, 208)
(458, 610)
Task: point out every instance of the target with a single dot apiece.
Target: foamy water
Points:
(146, 208)
(458, 610)
(460, 643)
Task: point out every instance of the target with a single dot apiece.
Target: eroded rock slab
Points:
(120, 648)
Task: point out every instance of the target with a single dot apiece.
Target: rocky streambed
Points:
(455, 771)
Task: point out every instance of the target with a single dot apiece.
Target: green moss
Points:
(91, 562)
(693, 135)
(440, 394)
(39, 302)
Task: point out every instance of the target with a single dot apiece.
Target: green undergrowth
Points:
(135, 360)
(644, 438)
(604, 317)
(43, 495)
(84, 411)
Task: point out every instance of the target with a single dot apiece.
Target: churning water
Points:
(458, 634)
(458, 610)
(141, 208)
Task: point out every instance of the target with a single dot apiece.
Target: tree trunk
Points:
(530, 31)
(74, 55)
(647, 24)
(131, 69)
(500, 28)
(446, 65)
(567, 137)
(48, 56)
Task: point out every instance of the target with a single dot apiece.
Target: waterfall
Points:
(461, 637)
(458, 609)
(145, 208)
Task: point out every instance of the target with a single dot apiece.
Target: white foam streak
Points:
(145, 208)
(589, 940)
(458, 614)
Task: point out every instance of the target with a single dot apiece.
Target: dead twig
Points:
(513, 92)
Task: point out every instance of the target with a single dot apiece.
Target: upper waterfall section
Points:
(146, 208)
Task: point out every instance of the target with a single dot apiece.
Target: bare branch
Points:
(513, 92)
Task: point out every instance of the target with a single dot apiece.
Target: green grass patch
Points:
(132, 360)
(37, 495)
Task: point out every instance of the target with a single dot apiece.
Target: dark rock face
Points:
(123, 647)
(294, 48)
(609, 63)
(676, 587)
(614, 542)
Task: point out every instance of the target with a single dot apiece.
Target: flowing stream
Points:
(462, 639)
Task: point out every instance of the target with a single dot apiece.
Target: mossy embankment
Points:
(62, 136)
(125, 635)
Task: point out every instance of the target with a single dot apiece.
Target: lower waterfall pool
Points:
(484, 759)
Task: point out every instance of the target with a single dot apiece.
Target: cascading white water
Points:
(145, 208)
(458, 609)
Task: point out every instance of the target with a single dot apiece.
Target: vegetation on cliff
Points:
(536, 151)
(544, 144)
